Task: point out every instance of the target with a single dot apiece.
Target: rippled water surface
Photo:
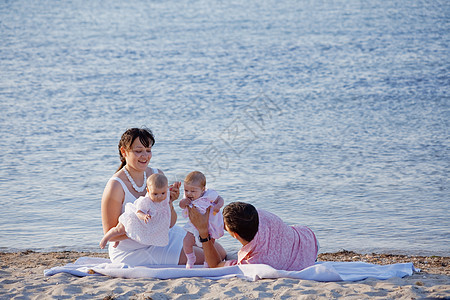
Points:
(332, 114)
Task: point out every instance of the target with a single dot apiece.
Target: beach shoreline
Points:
(22, 276)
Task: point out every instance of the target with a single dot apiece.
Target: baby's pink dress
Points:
(281, 246)
(215, 227)
(156, 231)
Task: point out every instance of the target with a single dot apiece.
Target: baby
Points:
(147, 220)
(196, 195)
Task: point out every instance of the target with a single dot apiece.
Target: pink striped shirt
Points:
(279, 245)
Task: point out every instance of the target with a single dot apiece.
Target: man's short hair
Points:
(241, 218)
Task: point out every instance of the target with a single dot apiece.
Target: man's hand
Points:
(199, 220)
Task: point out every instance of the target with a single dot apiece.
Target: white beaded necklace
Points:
(135, 187)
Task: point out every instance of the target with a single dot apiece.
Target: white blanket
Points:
(322, 271)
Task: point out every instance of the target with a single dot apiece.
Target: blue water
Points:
(332, 114)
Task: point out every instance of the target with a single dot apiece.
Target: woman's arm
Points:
(174, 193)
(173, 215)
(200, 222)
(112, 200)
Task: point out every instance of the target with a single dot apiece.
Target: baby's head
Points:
(194, 185)
(157, 187)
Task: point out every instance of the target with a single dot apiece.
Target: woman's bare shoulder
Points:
(114, 187)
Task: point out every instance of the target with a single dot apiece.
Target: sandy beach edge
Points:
(22, 277)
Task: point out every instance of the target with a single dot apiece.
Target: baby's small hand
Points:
(147, 218)
(216, 210)
(187, 201)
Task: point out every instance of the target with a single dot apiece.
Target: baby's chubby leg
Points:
(188, 247)
(188, 243)
(113, 232)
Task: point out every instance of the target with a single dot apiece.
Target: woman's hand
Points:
(174, 190)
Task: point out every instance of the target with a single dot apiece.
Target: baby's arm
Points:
(143, 204)
(143, 216)
(218, 203)
(184, 203)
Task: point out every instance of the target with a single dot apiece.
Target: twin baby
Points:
(147, 220)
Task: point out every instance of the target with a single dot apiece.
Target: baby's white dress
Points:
(156, 231)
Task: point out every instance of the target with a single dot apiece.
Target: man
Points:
(265, 238)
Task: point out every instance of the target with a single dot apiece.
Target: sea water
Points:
(330, 114)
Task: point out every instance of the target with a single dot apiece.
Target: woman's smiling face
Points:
(138, 156)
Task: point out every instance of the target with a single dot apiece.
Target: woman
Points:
(126, 185)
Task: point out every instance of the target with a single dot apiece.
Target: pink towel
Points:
(281, 246)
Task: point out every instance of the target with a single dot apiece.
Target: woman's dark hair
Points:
(241, 218)
(145, 137)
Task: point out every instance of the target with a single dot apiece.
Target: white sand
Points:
(22, 278)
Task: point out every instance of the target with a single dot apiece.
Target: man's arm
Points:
(200, 222)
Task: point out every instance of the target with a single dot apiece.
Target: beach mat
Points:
(321, 271)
